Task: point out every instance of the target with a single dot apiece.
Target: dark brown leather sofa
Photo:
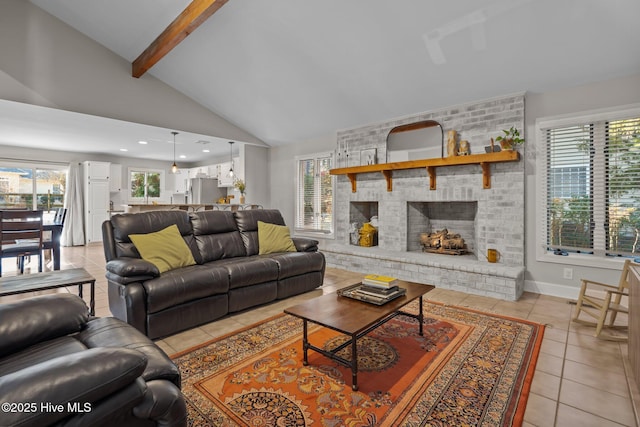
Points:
(229, 275)
(60, 367)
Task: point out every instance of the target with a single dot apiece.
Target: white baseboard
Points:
(552, 289)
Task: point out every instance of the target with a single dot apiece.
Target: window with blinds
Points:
(622, 154)
(570, 188)
(314, 199)
(592, 192)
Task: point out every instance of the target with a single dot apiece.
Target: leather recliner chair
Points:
(60, 367)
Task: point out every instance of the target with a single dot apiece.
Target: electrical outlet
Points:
(568, 273)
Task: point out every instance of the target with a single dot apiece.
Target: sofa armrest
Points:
(120, 270)
(304, 244)
(34, 320)
(81, 378)
(163, 403)
(112, 332)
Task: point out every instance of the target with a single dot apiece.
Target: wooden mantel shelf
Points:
(484, 160)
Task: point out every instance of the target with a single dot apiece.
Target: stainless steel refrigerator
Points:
(205, 191)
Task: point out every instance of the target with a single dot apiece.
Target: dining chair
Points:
(21, 236)
(47, 239)
(60, 215)
(599, 300)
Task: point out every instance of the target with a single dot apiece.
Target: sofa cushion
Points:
(216, 235)
(250, 296)
(38, 319)
(40, 352)
(185, 284)
(148, 222)
(247, 221)
(165, 249)
(274, 238)
(297, 263)
(247, 271)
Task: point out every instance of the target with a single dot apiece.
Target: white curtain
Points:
(73, 231)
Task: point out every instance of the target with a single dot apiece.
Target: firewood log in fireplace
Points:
(443, 242)
(455, 243)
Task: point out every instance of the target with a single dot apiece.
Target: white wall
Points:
(548, 277)
(256, 173)
(45, 62)
(283, 172)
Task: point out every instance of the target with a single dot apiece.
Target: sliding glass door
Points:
(32, 187)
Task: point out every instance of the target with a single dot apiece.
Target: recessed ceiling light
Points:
(123, 149)
(143, 142)
(206, 151)
(182, 156)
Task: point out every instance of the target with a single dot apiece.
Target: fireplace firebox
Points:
(425, 218)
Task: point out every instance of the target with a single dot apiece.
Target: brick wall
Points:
(499, 218)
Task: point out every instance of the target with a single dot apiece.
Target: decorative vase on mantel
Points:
(242, 199)
(506, 144)
(510, 139)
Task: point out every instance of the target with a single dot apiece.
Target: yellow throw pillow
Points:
(274, 238)
(166, 249)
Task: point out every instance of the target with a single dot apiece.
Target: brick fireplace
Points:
(486, 218)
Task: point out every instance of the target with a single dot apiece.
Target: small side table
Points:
(50, 280)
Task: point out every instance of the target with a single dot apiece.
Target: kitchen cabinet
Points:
(96, 198)
(115, 178)
(96, 170)
(179, 181)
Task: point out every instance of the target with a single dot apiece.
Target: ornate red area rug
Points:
(469, 368)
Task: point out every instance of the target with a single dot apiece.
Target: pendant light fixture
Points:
(174, 166)
(231, 174)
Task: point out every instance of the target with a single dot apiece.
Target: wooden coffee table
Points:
(24, 283)
(354, 318)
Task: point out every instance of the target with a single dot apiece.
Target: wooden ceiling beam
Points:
(189, 19)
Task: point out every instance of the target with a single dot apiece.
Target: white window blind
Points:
(570, 188)
(592, 187)
(622, 151)
(314, 201)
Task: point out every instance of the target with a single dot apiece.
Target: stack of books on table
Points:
(379, 281)
(374, 292)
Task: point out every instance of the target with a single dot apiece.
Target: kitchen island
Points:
(189, 207)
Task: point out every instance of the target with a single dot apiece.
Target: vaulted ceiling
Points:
(291, 70)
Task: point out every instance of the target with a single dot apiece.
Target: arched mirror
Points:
(413, 141)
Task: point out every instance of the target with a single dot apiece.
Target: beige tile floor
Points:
(579, 380)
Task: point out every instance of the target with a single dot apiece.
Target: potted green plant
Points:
(510, 139)
(241, 187)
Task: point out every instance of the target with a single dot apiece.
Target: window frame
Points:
(131, 170)
(305, 232)
(36, 166)
(598, 258)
